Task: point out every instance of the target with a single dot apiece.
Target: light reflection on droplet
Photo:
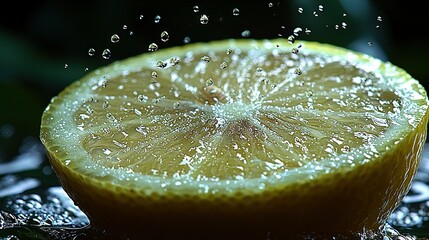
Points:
(297, 31)
(300, 10)
(196, 8)
(91, 52)
(153, 47)
(141, 16)
(291, 39)
(125, 27)
(66, 65)
(186, 40)
(106, 53)
(235, 11)
(157, 19)
(245, 33)
(165, 36)
(204, 19)
(321, 8)
(114, 38)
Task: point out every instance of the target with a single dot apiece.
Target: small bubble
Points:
(337, 26)
(154, 74)
(176, 105)
(205, 58)
(114, 38)
(153, 47)
(66, 65)
(86, 69)
(196, 9)
(291, 39)
(141, 16)
(105, 104)
(270, 4)
(300, 10)
(377, 26)
(125, 27)
(141, 98)
(228, 51)
(161, 64)
(315, 14)
(295, 50)
(209, 82)
(186, 40)
(204, 19)
(157, 19)
(106, 53)
(297, 31)
(245, 33)
(321, 8)
(165, 36)
(235, 11)
(174, 61)
(91, 52)
(344, 25)
(131, 33)
(379, 19)
(223, 65)
(307, 31)
(344, 14)
(298, 71)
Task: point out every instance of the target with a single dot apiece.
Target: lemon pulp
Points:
(244, 132)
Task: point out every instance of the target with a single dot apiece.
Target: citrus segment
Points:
(240, 131)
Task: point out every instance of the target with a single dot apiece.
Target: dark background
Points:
(38, 38)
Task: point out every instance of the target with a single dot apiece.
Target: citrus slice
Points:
(239, 136)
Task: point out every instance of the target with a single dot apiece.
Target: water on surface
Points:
(34, 206)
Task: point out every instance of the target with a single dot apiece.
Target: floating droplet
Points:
(379, 19)
(369, 44)
(186, 40)
(174, 61)
(344, 14)
(91, 52)
(228, 51)
(321, 8)
(106, 53)
(223, 65)
(315, 14)
(66, 65)
(161, 64)
(165, 36)
(209, 82)
(300, 10)
(157, 19)
(344, 25)
(307, 31)
(196, 8)
(297, 31)
(204, 19)
(125, 27)
(142, 98)
(205, 58)
(114, 38)
(245, 33)
(270, 4)
(291, 39)
(153, 47)
(131, 33)
(235, 11)
(154, 74)
(141, 16)
(298, 71)
(86, 69)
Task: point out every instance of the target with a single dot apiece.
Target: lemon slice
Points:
(239, 136)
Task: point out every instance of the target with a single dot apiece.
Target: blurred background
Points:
(44, 46)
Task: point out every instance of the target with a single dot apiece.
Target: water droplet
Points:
(91, 52)
(245, 33)
(315, 14)
(337, 26)
(344, 25)
(131, 33)
(125, 27)
(379, 19)
(165, 36)
(154, 74)
(161, 64)
(228, 51)
(141, 16)
(142, 98)
(106, 53)
(298, 71)
(209, 82)
(270, 4)
(196, 8)
(176, 105)
(235, 11)
(295, 50)
(157, 19)
(291, 39)
(105, 104)
(321, 8)
(300, 10)
(66, 65)
(174, 61)
(344, 14)
(223, 65)
(186, 40)
(307, 31)
(204, 19)
(369, 44)
(86, 69)
(205, 58)
(297, 31)
(153, 47)
(114, 38)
